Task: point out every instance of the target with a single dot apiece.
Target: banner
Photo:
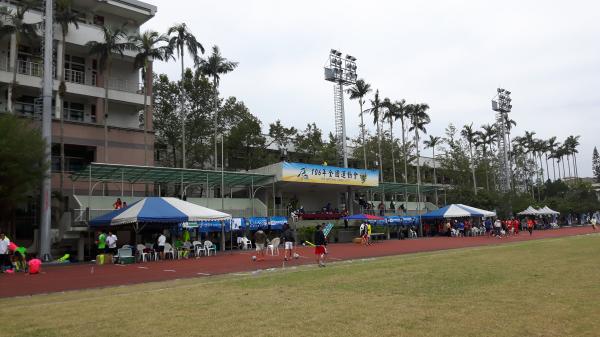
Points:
(320, 174)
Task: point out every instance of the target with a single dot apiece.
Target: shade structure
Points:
(363, 217)
(457, 211)
(485, 213)
(529, 211)
(159, 210)
(400, 220)
(548, 211)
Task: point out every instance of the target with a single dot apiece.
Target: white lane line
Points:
(143, 267)
(206, 274)
(169, 270)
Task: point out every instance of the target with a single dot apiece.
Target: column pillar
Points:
(11, 64)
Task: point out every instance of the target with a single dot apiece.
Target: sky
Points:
(450, 54)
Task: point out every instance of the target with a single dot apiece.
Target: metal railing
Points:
(75, 76)
(29, 68)
(125, 85)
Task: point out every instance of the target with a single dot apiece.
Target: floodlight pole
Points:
(46, 207)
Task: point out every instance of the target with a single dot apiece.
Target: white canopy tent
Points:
(530, 211)
(486, 214)
(548, 211)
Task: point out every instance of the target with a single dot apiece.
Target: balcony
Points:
(29, 68)
(125, 85)
(75, 76)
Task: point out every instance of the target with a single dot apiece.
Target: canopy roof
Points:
(159, 210)
(529, 211)
(399, 188)
(548, 210)
(458, 211)
(153, 174)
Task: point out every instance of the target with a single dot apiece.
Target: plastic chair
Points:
(144, 257)
(246, 243)
(208, 246)
(273, 246)
(169, 250)
(124, 252)
(198, 248)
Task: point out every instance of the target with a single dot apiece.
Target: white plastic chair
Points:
(169, 250)
(144, 257)
(208, 246)
(273, 246)
(198, 248)
(246, 243)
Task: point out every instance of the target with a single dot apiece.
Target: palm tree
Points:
(359, 91)
(375, 110)
(393, 112)
(149, 48)
(529, 143)
(540, 147)
(471, 138)
(572, 142)
(14, 25)
(215, 66)
(551, 145)
(64, 16)
(431, 143)
(180, 39)
(116, 41)
(485, 139)
(419, 118)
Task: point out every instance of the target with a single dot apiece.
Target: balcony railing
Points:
(29, 68)
(124, 85)
(75, 76)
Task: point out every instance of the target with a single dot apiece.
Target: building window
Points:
(25, 105)
(93, 113)
(74, 69)
(73, 111)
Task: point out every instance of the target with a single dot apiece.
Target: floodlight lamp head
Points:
(334, 52)
(507, 92)
(338, 53)
(500, 90)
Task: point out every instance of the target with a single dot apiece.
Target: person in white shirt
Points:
(4, 257)
(162, 239)
(364, 234)
(111, 241)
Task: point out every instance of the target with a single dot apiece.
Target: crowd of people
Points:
(13, 258)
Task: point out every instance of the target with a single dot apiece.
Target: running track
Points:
(83, 276)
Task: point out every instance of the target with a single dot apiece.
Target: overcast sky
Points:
(449, 54)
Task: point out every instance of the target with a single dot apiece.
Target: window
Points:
(25, 105)
(73, 111)
(93, 113)
(74, 69)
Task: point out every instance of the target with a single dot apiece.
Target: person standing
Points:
(4, 257)
(369, 229)
(260, 240)
(593, 221)
(162, 239)
(101, 242)
(320, 243)
(111, 242)
(288, 242)
(118, 204)
(497, 227)
(363, 233)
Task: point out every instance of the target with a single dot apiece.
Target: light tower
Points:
(341, 71)
(501, 103)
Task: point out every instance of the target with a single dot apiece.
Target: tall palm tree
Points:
(180, 38)
(393, 112)
(529, 142)
(572, 143)
(419, 118)
(115, 41)
(215, 66)
(151, 46)
(551, 145)
(375, 110)
(64, 16)
(14, 25)
(540, 147)
(431, 143)
(358, 91)
(471, 137)
(485, 139)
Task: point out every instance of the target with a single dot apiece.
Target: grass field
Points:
(535, 288)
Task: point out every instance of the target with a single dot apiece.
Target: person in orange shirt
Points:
(530, 225)
(516, 226)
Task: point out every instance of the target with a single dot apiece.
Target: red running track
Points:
(83, 276)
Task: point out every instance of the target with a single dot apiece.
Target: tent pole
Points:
(121, 183)
(273, 196)
(222, 235)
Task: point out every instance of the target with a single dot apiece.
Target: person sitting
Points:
(393, 206)
(381, 208)
(118, 204)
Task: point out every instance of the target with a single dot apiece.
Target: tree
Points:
(215, 66)
(281, 136)
(596, 165)
(64, 16)
(359, 91)
(310, 142)
(471, 137)
(571, 144)
(431, 143)
(13, 24)
(167, 125)
(375, 110)
(22, 165)
(149, 48)
(244, 139)
(394, 111)
(419, 118)
(180, 39)
(115, 41)
(550, 149)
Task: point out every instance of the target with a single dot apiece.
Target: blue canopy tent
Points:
(363, 217)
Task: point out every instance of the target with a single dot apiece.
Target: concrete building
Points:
(83, 106)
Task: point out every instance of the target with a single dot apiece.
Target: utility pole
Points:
(46, 202)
